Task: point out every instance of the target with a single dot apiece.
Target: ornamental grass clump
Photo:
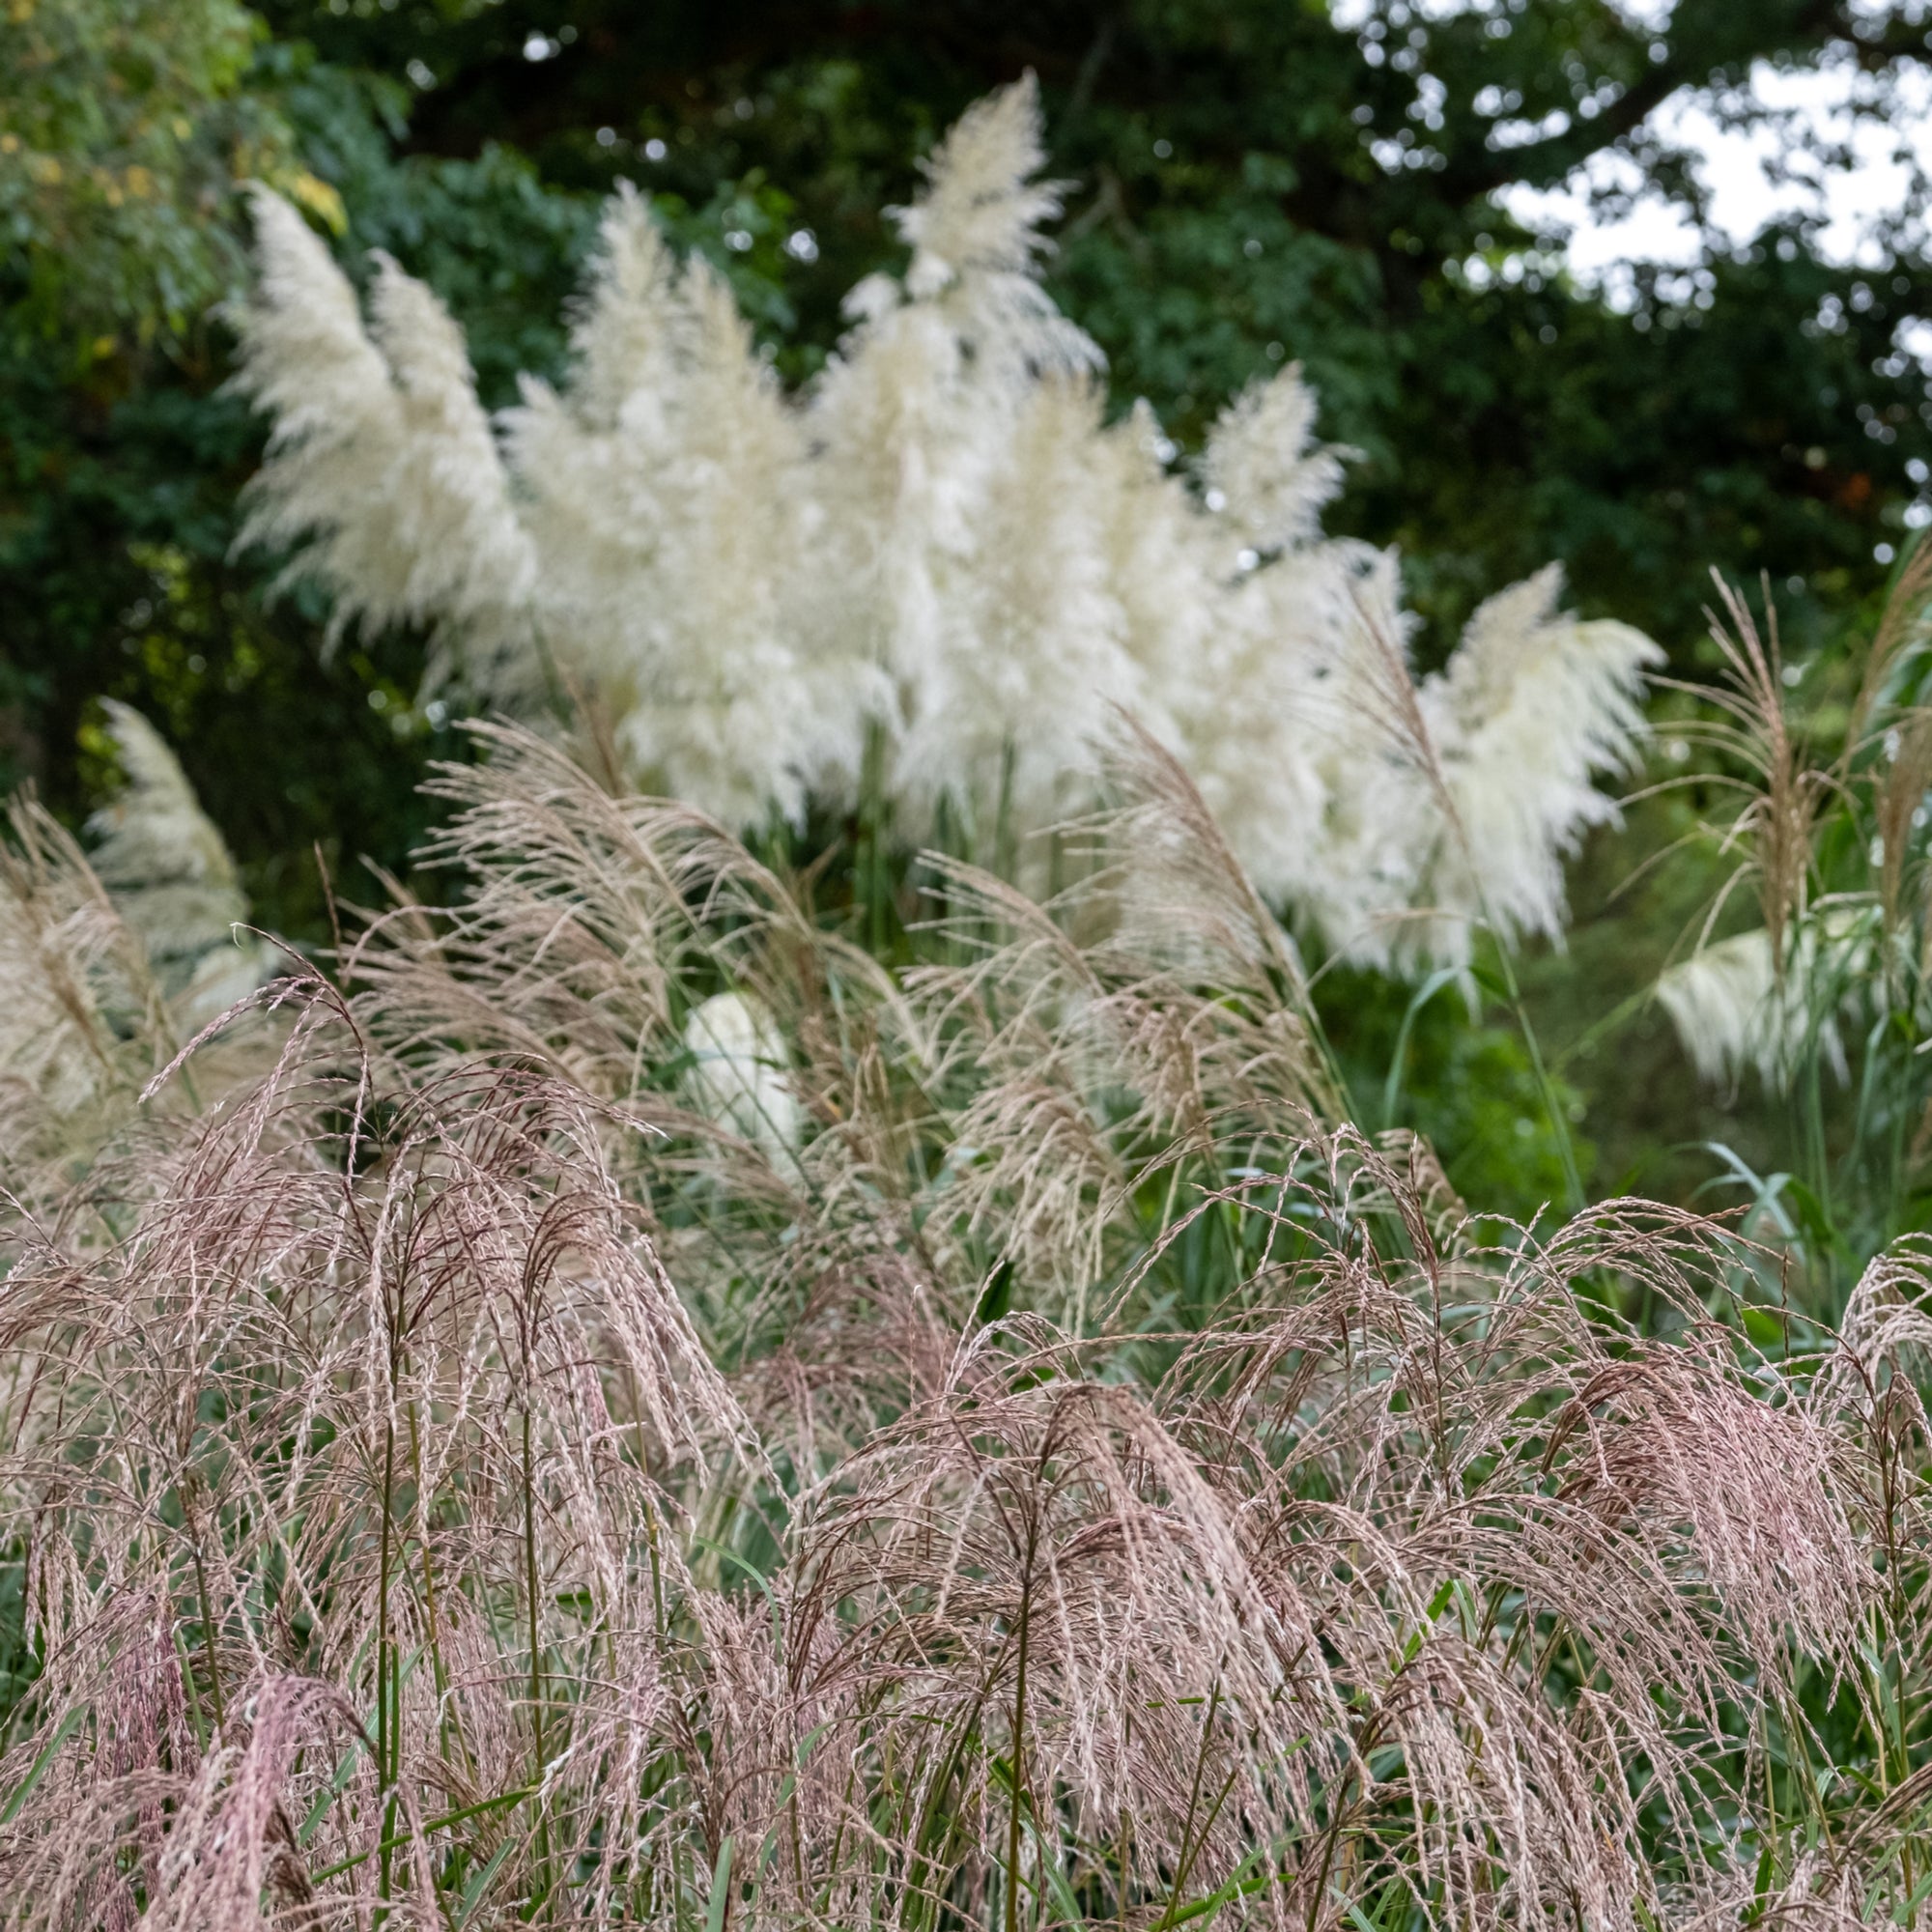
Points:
(1055, 1470)
(110, 963)
(1817, 811)
(922, 586)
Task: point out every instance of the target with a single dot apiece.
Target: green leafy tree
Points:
(126, 129)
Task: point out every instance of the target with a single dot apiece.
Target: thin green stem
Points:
(1545, 1086)
(530, 1586)
(208, 1629)
(1019, 1740)
(388, 1745)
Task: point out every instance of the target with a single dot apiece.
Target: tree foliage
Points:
(128, 125)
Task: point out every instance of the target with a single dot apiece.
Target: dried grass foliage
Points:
(111, 963)
(1065, 1476)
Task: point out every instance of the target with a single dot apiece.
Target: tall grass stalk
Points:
(1824, 997)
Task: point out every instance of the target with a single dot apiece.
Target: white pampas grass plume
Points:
(1263, 463)
(726, 673)
(109, 969)
(620, 337)
(1341, 812)
(939, 550)
(171, 877)
(1270, 704)
(592, 467)
(959, 440)
(982, 208)
(1531, 710)
(669, 500)
(737, 1077)
(1732, 1009)
(1008, 725)
(381, 463)
(1718, 999)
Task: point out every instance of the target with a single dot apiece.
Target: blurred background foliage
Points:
(1251, 182)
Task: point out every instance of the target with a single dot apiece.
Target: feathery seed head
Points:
(940, 550)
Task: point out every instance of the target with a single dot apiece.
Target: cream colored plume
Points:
(381, 463)
(667, 499)
(1271, 703)
(1531, 711)
(940, 549)
(1733, 1010)
(737, 1078)
(1265, 465)
(171, 878)
(110, 966)
(982, 208)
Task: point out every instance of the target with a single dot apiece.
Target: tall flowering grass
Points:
(606, 1400)
(1052, 1470)
(933, 576)
(1818, 815)
(110, 965)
